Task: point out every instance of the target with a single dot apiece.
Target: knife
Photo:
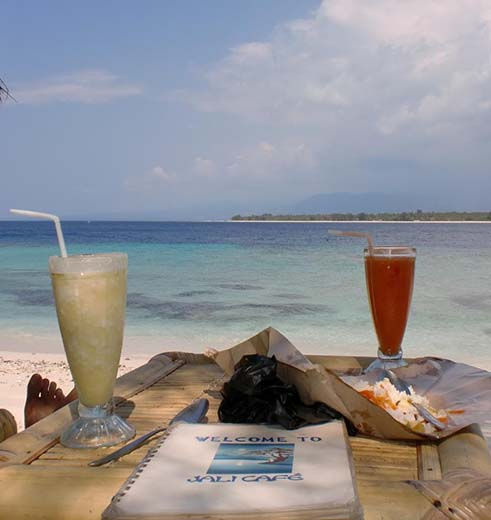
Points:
(402, 386)
(193, 413)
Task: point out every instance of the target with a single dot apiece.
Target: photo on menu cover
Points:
(252, 458)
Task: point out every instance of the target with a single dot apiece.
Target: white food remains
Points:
(399, 404)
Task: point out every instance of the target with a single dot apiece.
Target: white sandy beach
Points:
(17, 367)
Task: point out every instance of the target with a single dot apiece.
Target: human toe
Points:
(44, 388)
(52, 390)
(34, 386)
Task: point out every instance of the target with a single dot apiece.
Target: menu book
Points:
(215, 470)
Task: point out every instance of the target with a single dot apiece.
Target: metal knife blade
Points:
(402, 386)
(193, 413)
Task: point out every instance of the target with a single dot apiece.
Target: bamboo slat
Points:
(429, 467)
(8, 426)
(80, 496)
(57, 492)
(57, 484)
(387, 500)
(466, 450)
(154, 407)
(28, 445)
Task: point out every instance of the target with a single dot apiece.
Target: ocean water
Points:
(252, 458)
(197, 285)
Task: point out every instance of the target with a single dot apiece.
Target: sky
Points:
(205, 109)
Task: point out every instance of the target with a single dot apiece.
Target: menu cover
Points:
(215, 470)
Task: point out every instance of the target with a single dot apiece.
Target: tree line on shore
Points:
(404, 216)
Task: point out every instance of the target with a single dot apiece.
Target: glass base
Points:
(387, 362)
(96, 428)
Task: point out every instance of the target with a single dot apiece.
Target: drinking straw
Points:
(357, 234)
(48, 216)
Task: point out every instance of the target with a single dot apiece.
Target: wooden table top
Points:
(40, 479)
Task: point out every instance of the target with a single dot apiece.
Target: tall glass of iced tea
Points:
(389, 273)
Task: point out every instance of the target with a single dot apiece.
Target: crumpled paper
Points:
(447, 385)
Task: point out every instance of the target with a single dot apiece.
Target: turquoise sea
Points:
(212, 284)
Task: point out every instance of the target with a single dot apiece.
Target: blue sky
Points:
(209, 108)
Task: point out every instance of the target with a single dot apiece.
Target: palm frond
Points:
(5, 92)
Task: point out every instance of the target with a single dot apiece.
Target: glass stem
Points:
(95, 412)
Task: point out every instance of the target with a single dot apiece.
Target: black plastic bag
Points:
(256, 395)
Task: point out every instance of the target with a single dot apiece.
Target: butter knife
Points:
(193, 413)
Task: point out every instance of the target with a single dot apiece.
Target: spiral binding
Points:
(140, 467)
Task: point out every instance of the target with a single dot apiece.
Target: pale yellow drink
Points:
(90, 297)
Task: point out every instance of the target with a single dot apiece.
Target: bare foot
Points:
(44, 398)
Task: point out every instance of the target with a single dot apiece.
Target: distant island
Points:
(405, 216)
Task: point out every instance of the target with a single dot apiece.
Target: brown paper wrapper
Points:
(448, 385)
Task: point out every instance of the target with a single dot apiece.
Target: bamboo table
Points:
(40, 479)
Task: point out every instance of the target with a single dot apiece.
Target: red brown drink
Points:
(389, 275)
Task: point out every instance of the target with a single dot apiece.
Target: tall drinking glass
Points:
(389, 273)
(90, 298)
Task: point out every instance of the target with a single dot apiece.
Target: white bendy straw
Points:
(356, 234)
(48, 216)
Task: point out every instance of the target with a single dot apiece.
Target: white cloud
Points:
(85, 86)
(250, 53)
(156, 179)
(161, 175)
(267, 148)
(204, 167)
(267, 162)
(374, 56)
(409, 22)
(357, 79)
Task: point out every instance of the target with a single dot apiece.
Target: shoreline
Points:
(361, 221)
(51, 343)
(39, 344)
(221, 221)
(28, 354)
